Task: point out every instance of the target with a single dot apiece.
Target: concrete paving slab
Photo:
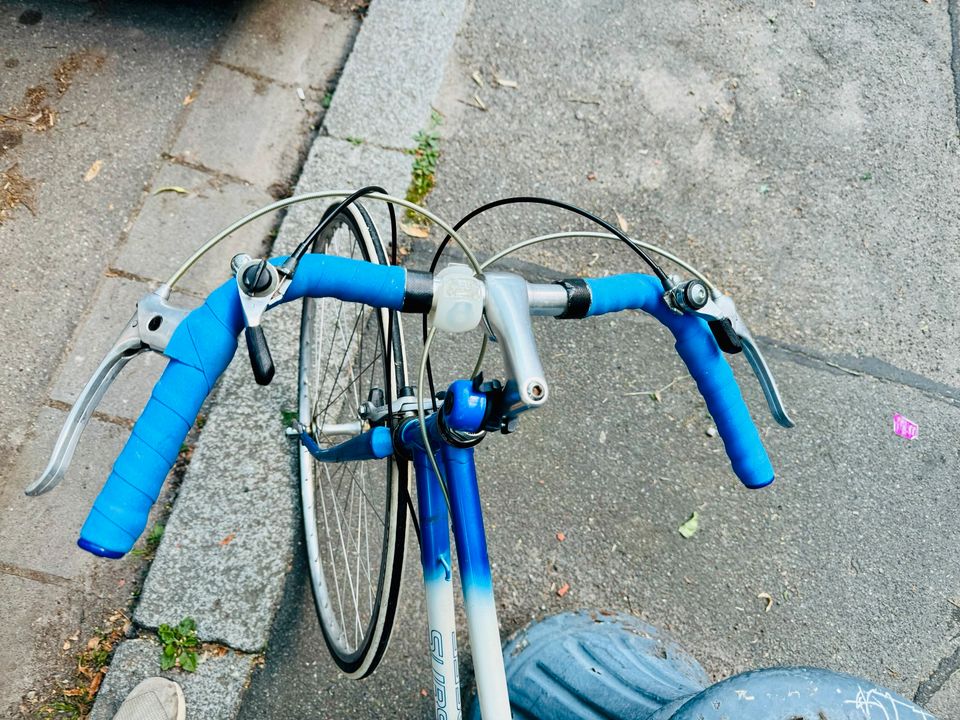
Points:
(113, 305)
(120, 110)
(33, 628)
(258, 117)
(394, 72)
(298, 42)
(34, 531)
(172, 225)
(213, 691)
(122, 68)
(234, 588)
(341, 165)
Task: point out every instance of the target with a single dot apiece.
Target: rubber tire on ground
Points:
(364, 659)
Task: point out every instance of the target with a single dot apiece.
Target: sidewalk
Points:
(238, 131)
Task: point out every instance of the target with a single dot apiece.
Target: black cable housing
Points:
(657, 270)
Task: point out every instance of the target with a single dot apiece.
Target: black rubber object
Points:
(418, 293)
(260, 359)
(578, 299)
(726, 336)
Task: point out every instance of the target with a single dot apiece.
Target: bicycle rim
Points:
(354, 515)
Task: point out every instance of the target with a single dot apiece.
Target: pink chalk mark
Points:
(905, 428)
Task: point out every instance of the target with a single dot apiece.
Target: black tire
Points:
(343, 354)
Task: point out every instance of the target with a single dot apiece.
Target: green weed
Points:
(180, 645)
(423, 176)
(151, 542)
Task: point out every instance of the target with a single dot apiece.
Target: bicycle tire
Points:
(352, 234)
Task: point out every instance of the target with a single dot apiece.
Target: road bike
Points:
(362, 425)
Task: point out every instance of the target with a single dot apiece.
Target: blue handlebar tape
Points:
(200, 350)
(704, 360)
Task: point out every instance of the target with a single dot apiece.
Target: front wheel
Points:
(354, 514)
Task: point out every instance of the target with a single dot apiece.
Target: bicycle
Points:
(361, 425)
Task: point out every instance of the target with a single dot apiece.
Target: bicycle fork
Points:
(474, 566)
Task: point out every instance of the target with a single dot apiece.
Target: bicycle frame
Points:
(204, 342)
(464, 414)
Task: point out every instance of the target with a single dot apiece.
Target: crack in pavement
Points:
(955, 55)
(938, 678)
(35, 575)
(867, 365)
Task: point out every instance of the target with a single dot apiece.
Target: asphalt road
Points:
(806, 159)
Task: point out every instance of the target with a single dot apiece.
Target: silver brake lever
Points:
(694, 297)
(150, 328)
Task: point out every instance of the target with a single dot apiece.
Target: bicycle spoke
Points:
(343, 547)
(336, 581)
(346, 388)
(346, 351)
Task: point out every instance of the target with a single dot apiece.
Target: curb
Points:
(230, 540)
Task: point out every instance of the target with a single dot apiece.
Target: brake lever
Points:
(731, 333)
(150, 328)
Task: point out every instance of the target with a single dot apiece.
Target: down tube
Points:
(438, 584)
(461, 476)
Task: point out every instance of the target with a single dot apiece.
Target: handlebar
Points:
(697, 347)
(199, 351)
(205, 342)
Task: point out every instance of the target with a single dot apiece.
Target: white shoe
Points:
(155, 698)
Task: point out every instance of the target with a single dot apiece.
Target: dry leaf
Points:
(93, 171)
(417, 231)
(95, 684)
(228, 539)
(477, 78)
(561, 537)
(74, 692)
(172, 188)
(189, 99)
(92, 643)
(66, 645)
(766, 597)
(622, 222)
(503, 82)
(563, 589)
